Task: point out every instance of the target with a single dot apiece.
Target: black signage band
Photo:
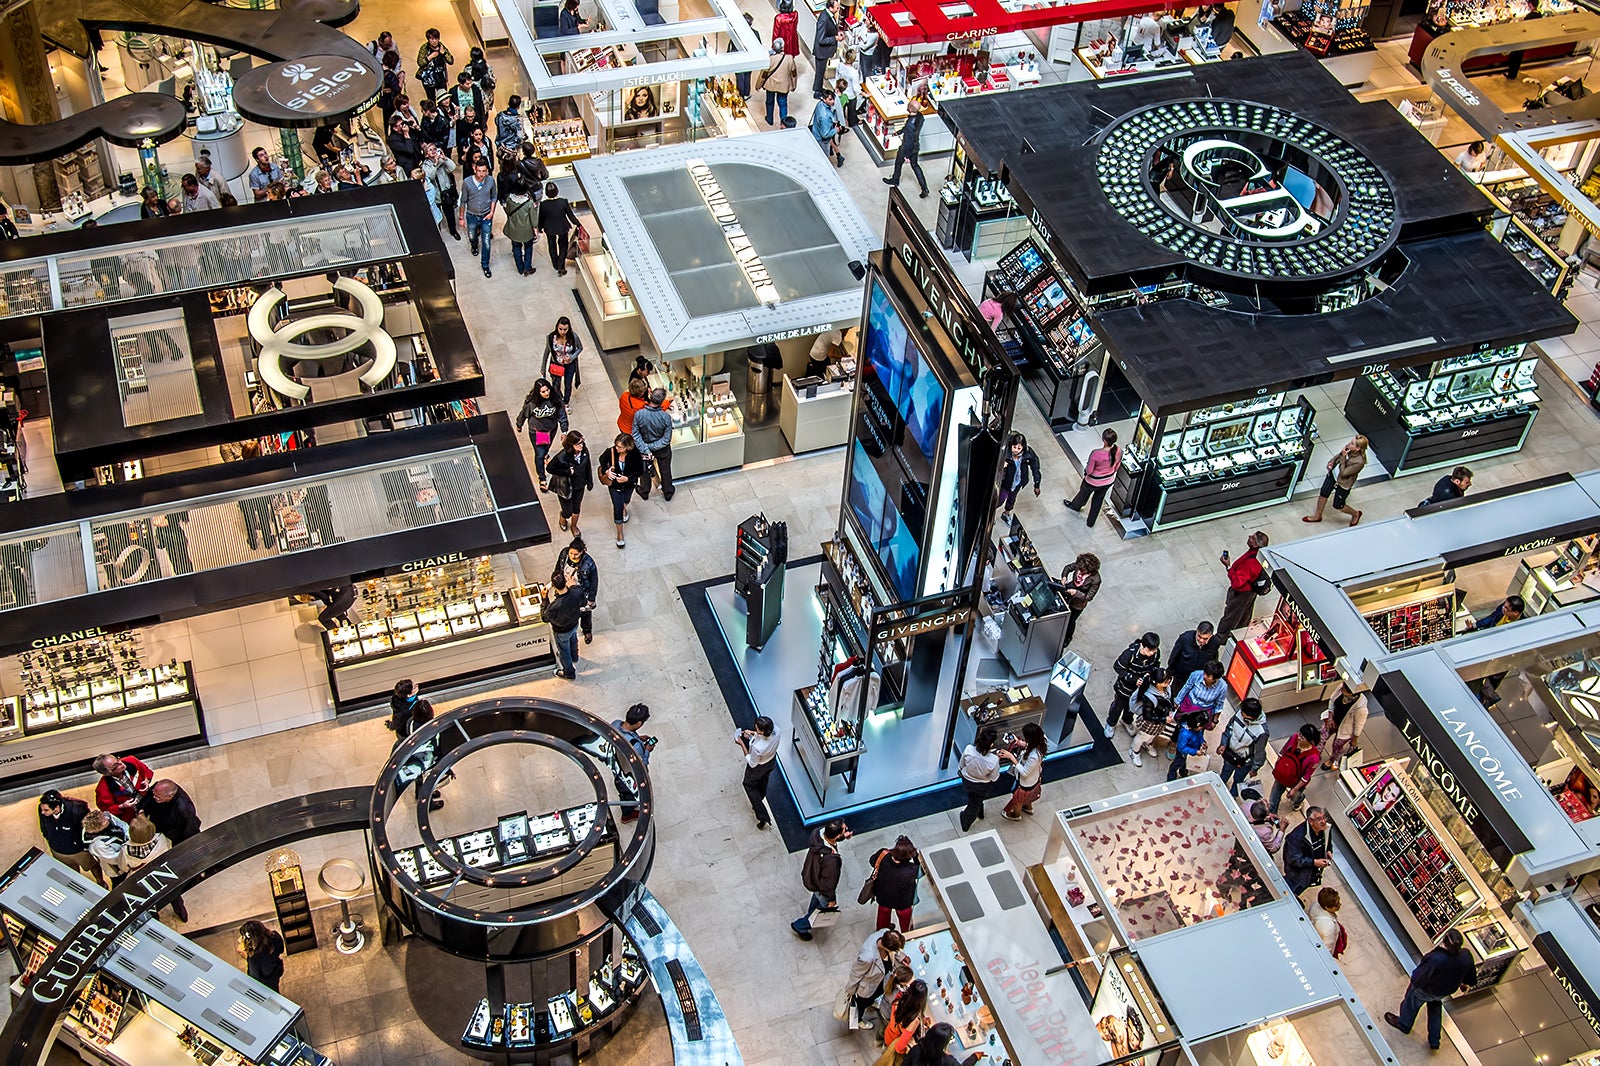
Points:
(1570, 978)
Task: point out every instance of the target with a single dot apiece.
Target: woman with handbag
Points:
(880, 954)
(544, 413)
(906, 1021)
(571, 475)
(1152, 710)
(893, 882)
(561, 350)
(1030, 772)
(1342, 722)
(621, 470)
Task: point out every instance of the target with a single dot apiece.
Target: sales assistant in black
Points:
(760, 747)
(1247, 579)
(1443, 972)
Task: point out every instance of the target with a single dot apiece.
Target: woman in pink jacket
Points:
(1098, 475)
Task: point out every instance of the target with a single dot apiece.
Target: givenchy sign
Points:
(921, 624)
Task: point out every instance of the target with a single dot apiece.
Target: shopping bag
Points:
(580, 240)
(824, 918)
(841, 1004)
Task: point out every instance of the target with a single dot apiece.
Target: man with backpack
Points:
(1247, 579)
(1244, 744)
(819, 874)
(1296, 763)
(825, 127)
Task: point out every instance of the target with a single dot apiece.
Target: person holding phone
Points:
(760, 748)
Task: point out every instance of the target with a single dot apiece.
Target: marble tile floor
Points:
(731, 888)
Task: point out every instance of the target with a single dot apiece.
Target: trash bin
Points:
(760, 382)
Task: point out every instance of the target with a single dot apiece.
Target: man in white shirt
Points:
(209, 179)
(197, 198)
(760, 747)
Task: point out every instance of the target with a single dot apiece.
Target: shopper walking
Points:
(629, 725)
(557, 220)
(509, 131)
(911, 142)
(61, 825)
(880, 953)
(1342, 723)
(1307, 851)
(824, 44)
(262, 951)
(894, 882)
(582, 573)
(1020, 461)
(1080, 583)
(562, 348)
(786, 27)
(652, 432)
(1098, 475)
(433, 63)
(1343, 470)
(824, 126)
(1247, 579)
(1138, 660)
(1324, 915)
(760, 748)
(1268, 826)
(439, 171)
(621, 471)
(570, 476)
(778, 80)
(980, 767)
(1452, 486)
(1153, 707)
(1243, 744)
(819, 875)
(1444, 971)
(1030, 751)
(122, 782)
(1296, 764)
(544, 414)
(172, 813)
(904, 1022)
(522, 211)
(563, 609)
(930, 1050)
(478, 196)
(1191, 651)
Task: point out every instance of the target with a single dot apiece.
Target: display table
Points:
(815, 421)
(887, 110)
(1282, 665)
(1006, 712)
(607, 301)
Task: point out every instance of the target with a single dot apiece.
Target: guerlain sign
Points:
(70, 961)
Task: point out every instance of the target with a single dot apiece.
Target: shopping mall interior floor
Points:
(732, 889)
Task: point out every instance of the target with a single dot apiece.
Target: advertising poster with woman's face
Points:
(641, 102)
(1118, 1020)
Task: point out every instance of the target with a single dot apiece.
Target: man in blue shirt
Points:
(825, 127)
(264, 173)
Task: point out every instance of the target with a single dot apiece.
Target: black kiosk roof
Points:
(1450, 285)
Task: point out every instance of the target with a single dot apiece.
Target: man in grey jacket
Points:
(652, 432)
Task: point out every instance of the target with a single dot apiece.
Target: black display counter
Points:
(1383, 264)
(1406, 449)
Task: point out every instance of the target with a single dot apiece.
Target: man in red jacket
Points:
(1245, 576)
(122, 782)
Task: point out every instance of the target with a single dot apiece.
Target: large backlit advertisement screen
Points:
(897, 435)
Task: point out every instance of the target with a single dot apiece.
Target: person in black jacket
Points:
(61, 825)
(824, 44)
(930, 1050)
(557, 219)
(1452, 486)
(172, 812)
(402, 701)
(579, 568)
(1307, 851)
(1138, 661)
(562, 609)
(1021, 461)
(621, 471)
(572, 465)
(820, 874)
(544, 414)
(1191, 651)
(1443, 972)
(262, 951)
(894, 888)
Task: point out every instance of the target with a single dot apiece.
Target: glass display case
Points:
(1052, 328)
(450, 620)
(701, 402)
(1220, 442)
(45, 710)
(1439, 414)
(1283, 664)
(608, 299)
(560, 1018)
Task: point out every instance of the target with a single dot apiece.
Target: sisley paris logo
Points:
(320, 85)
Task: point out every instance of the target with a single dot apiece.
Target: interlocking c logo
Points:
(1244, 212)
(280, 344)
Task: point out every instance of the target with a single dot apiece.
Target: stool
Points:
(343, 880)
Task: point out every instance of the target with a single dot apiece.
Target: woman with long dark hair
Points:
(905, 1023)
(544, 413)
(621, 470)
(561, 350)
(930, 1050)
(1098, 474)
(262, 951)
(1029, 771)
(895, 887)
(571, 475)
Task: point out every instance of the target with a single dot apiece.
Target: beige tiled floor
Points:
(731, 888)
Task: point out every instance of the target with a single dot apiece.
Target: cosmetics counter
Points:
(1033, 623)
(1443, 16)
(1107, 58)
(887, 106)
(68, 718)
(1532, 228)
(1439, 414)
(560, 1019)
(1056, 345)
(160, 999)
(467, 617)
(815, 412)
(1558, 577)
(1283, 663)
(1195, 466)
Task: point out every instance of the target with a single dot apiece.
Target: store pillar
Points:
(28, 88)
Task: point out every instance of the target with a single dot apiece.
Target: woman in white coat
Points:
(1342, 722)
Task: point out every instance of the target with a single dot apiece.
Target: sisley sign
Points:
(318, 85)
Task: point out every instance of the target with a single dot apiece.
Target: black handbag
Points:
(561, 485)
(432, 75)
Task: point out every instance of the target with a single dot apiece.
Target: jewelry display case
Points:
(608, 299)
